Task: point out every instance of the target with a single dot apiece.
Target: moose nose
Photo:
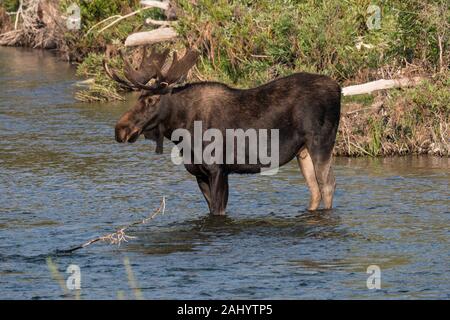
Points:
(127, 134)
(121, 134)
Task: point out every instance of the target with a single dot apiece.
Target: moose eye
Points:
(150, 101)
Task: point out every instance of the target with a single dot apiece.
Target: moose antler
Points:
(151, 67)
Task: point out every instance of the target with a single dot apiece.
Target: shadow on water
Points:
(191, 235)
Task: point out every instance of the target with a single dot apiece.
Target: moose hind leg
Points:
(329, 189)
(307, 168)
(325, 178)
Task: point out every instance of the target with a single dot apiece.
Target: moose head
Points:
(154, 77)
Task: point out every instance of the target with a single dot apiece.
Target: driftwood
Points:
(150, 21)
(165, 33)
(150, 37)
(164, 5)
(380, 85)
(129, 15)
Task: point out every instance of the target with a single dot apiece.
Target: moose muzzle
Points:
(127, 134)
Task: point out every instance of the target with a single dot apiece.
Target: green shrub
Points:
(249, 42)
(96, 10)
(10, 5)
(89, 39)
(103, 88)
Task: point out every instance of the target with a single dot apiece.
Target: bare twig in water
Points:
(120, 236)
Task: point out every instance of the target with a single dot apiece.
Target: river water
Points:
(64, 180)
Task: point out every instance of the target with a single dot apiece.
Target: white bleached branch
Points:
(382, 84)
(119, 235)
(155, 4)
(150, 37)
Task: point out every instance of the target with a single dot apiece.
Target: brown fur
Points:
(304, 107)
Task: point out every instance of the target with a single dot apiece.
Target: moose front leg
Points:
(203, 184)
(218, 182)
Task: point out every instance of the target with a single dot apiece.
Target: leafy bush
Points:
(88, 39)
(249, 42)
(96, 10)
(10, 5)
(103, 88)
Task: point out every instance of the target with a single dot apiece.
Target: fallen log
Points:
(369, 87)
(150, 37)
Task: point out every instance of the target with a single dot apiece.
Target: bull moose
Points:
(304, 107)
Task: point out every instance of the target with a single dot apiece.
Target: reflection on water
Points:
(63, 180)
(193, 234)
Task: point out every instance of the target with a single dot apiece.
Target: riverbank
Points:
(398, 122)
(247, 45)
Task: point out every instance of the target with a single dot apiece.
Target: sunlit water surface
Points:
(64, 180)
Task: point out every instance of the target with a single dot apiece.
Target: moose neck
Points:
(193, 102)
(175, 110)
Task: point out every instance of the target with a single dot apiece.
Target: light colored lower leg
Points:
(328, 190)
(307, 168)
(326, 181)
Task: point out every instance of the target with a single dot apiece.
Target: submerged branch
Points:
(120, 236)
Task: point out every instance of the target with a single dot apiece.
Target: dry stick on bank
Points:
(122, 18)
(369, 87)
(165, 33)
(147, 5)
(162, 23)
(164, 5)
(18, 13)
(102, 22)
(118, 236)
(150, 37)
